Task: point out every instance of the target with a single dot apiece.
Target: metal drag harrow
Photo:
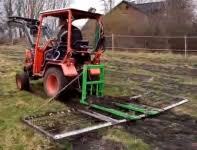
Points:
(64, 124)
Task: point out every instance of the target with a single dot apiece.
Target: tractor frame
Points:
(56, 73)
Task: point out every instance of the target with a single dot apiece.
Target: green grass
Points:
(15, 104)
(133, 78)
(161, 58)
(129, 142)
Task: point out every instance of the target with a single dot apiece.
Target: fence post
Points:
(185, 38)
(112, 40)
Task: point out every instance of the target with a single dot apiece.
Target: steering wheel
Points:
(50, 43)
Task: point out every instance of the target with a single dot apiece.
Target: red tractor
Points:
(57, 60)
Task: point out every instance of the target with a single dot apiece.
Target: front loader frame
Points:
(25, 24)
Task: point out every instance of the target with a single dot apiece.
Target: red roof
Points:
(77, 14)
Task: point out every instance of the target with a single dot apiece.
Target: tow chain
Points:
(64, 88)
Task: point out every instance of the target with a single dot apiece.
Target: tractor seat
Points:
(59, 51)
(81, 44)
(76, 35)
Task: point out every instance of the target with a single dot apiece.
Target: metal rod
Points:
(112, 38)
(135, 97)
(38, 129)
(84, 130)
(134, 36)
(174, 105)
(99, 116)
(185, 38)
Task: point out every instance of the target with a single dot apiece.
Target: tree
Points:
(179, 17)
(29, 9)
(108, 4)
(9, 11)
(175, 18)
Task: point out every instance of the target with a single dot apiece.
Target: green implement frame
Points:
(122, 110)
(92, 86)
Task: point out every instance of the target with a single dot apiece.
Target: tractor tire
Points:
(22, 81)
(54, 81)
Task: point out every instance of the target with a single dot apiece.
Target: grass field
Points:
(162, 76)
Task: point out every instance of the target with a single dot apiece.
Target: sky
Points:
(86, 4)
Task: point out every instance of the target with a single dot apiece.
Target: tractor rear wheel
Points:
(22, 81)
(54, 81)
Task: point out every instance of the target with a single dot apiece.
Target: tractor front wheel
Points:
(54, 81)
(22, 81)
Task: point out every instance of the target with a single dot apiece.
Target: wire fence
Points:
(175, 44)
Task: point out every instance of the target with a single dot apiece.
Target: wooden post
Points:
(112, 39)
(185, 38)
(13, 36)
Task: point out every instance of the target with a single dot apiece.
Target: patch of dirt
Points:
(168, 131)
(93, 141)
(170, 86)
(130, 76)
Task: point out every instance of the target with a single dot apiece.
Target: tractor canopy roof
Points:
(77, 14)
